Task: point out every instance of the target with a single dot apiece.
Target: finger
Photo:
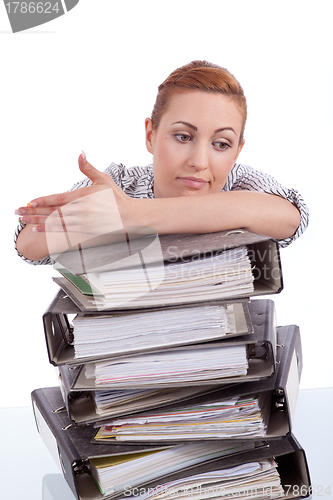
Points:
(33, 220)
(42, 228)
(70, 229)
(35, 211)
(57, 200)
(91, 172)
(56, 224)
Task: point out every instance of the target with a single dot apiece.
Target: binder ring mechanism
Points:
(280, 399)
(81, 466)
(61, 409)
(279, 346)
(234, 231)
(74, 426)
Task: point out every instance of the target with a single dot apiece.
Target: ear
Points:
(149, 135)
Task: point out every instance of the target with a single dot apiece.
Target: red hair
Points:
(199, 75)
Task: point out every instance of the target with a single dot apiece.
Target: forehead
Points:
(203, 109)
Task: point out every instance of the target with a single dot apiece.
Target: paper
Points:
(227, 418)
(226, 274)
(153, 465)
(111, 334)
(205, 362)
(255, 480)
(110, 403)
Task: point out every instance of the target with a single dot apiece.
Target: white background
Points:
(88, 80)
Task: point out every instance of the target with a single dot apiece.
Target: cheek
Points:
(167, 149)
(165, 157)
(221, 171)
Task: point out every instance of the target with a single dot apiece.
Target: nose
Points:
(198, 158)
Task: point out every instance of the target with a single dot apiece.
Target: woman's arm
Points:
(31, 245)
(259, 212)
(246, 178)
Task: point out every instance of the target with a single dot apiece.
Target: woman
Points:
(195, 135)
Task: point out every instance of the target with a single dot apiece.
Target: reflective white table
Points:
(28, 472)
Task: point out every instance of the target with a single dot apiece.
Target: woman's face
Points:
(195, 144)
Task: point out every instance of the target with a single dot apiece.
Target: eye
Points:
(222, 146)
(183, 137)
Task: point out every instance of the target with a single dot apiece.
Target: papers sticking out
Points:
(255, 480)
(113, 474)
(108, 403)
(205, 362)
(96, 335)
(211, 277)
(224, 419)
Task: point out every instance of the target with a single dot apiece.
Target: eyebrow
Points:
(224, 128)
(188, 125)
(196, 128)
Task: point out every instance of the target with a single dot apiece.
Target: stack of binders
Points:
(174, 379)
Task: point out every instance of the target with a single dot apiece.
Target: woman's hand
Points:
(70, 218)
(86, 209)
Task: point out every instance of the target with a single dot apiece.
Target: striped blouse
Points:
(137, 182)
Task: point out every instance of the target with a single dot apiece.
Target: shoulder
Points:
(136, 182)
(246, 177)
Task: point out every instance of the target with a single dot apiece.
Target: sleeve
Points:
(116, 173)
(243, 177)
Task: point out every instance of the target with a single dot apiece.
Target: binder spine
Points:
(58, 334)
(292, 338)
(290, 371)
(67, 453)
(58, 330)
(265, 256)
(65, 387)
(263, 319)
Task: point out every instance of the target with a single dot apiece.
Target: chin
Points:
(194, 192)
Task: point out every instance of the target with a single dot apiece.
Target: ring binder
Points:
(263, 253)
(76, 451)
(81, 408)
(262, 312)
(260, 315)
(282, 402)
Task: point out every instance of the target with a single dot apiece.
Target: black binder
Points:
(261, 348)
(263, 252)
(282, 385)
(73, 450)
(259, 317)
(59, 332)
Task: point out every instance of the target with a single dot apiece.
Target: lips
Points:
(193, 182)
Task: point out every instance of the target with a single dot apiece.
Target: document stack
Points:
(174, 379)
